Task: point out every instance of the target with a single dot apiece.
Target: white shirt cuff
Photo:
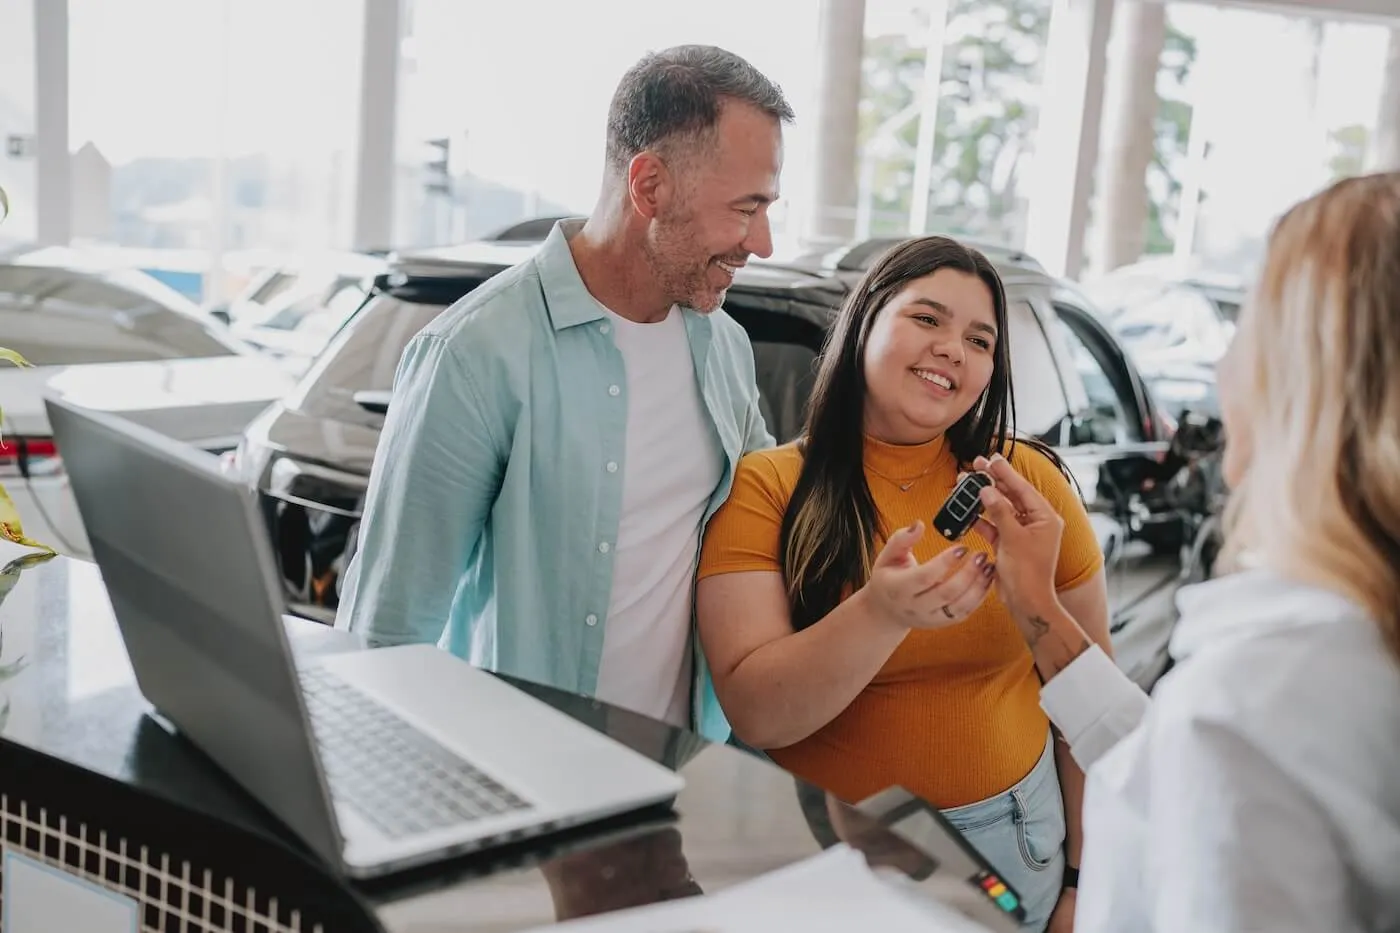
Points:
(1092, 692)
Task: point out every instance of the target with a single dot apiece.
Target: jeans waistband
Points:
(1004, 802)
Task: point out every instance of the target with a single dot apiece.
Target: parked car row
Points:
(289, 311)
(309, 454)
(306, 434)
(120, 340)
(1175, 320)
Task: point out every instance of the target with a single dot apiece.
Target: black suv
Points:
(310, 454)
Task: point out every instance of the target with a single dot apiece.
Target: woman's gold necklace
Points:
(902, 485)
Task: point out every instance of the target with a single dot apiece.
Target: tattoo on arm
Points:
(1059, 652)
(1039, 627)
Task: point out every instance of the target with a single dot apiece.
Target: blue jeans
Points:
(1021, 832)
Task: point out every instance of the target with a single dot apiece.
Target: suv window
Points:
(1107, 414)
(1041, 407)
(364, 354)
(785, 351)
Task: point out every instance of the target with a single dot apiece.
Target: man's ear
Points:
(649, 183)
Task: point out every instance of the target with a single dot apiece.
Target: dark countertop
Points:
(67, 693)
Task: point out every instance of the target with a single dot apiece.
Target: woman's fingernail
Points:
(960, 552)
(989, 569)
(980, 559)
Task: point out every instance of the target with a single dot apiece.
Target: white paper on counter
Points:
(833, 891)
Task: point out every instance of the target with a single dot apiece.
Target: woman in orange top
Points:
(861, 652)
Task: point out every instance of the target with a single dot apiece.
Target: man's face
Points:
(716, 214)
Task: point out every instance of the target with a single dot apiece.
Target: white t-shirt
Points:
(671, 465)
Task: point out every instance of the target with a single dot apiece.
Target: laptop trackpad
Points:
(561, 767)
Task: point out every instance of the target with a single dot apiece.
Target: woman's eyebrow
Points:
(940, 306)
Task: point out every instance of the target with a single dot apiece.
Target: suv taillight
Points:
(28, 457)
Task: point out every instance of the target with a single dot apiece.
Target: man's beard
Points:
(680, 269)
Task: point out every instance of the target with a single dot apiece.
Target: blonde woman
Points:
(1260, 787)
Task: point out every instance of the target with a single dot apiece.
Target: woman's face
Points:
(1233, 386)
(929, 357)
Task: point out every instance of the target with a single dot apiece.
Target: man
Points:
(558, 438)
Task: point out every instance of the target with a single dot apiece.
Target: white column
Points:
(378, 119)
(53, 189)
(841, 47)
(934, 42)
(1385, 143)
(1129, 133)
(1067, 135)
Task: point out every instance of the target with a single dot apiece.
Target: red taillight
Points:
(28, 446)
(20, 455)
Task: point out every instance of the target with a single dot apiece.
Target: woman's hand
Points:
(936, 594)
(1026, 532)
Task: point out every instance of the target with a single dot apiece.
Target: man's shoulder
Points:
(495, 314)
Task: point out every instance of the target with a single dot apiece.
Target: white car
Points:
(120, 341)
(291, 311)
(1170, 314)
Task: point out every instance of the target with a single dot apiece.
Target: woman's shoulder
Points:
(775, 469)
(782, 460)
(1037, 462)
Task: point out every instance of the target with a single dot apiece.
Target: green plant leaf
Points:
(10, 527)
(11, 356)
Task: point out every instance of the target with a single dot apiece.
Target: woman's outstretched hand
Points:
(935, 594)
(1026, 531)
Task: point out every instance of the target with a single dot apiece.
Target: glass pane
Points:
(17, 105)
(786, 372)
(1103, 421)
(1040, 399)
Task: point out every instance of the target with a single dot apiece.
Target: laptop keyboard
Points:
(390, 773)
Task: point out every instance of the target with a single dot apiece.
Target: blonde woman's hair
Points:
(1319, 366)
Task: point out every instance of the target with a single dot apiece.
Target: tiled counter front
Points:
(184, 873)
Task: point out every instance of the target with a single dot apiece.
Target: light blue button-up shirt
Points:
(491, 511)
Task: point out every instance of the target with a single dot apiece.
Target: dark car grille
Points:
(313, 546)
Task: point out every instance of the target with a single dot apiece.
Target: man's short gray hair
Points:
(679, 92)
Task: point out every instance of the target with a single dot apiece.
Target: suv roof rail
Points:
(861, 256)
(535, 228)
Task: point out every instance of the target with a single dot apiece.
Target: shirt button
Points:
(613, 390)
(604, 547)
(590, 619)
(604, 328)
(612, 466)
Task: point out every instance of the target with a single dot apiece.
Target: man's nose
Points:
(759, 241)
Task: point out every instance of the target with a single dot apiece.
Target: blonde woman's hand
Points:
(930, 595)
(1026, 532)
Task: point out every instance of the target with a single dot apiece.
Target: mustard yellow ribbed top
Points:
(954, 715)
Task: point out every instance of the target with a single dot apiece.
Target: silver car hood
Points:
(208, 399)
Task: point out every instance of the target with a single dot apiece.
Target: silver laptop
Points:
(379, 759)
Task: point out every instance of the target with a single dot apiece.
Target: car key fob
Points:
(963, 505)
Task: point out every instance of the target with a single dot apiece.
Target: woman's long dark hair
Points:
(831, 523)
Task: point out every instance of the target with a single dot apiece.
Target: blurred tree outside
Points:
(1350, 145)
(1173, 129)
(986, 122)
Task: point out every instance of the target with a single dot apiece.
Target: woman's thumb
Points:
(899, 544)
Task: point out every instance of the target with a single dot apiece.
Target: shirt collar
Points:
(567, 299)
(565, 296)
(1253, 602)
